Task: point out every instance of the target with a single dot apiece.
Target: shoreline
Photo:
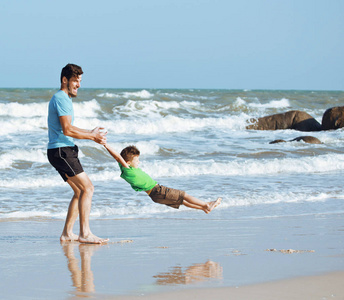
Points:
(162, 258)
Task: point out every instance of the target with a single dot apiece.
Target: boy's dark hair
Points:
(129, 152)
(70, 71)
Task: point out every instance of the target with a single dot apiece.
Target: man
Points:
(63, 154)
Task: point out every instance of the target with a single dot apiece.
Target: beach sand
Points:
(329, 286)
(174, 258)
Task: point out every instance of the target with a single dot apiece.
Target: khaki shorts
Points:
(164, 195)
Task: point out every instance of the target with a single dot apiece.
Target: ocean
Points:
(193, 139)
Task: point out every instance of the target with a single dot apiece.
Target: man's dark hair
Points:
(129, 152)
(70, 71)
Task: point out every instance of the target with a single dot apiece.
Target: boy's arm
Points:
(116, 156)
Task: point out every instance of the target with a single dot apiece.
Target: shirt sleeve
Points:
(63, 108)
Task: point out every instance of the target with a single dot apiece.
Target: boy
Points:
(128, 162)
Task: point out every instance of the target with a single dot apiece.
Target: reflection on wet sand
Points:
(194, 273)
(82, 278)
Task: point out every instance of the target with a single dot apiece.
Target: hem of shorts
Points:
(59, 146)
(70, 176)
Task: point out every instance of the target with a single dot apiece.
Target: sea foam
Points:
(167, 124)
(19, 110)
(184, 168)
(19, 154)
(143, 94)
(283, 103)
(86, 109)
(245, 167)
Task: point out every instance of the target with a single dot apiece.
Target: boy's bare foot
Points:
(69, 237)
(92, 239)
(213, 204)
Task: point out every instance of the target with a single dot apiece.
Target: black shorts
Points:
(164, 195)
(65, 161)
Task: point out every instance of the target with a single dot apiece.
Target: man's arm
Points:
(78, 133)
(116, 156)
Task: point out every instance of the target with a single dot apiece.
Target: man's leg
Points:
(84, 184)
(73, 212)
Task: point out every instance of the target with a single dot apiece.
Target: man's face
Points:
(73, 85)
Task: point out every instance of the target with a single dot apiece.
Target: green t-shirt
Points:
(139, 180)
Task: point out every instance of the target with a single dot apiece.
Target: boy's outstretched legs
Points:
(193, 202)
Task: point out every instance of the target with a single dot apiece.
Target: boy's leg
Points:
(187, 204)
(195, 203)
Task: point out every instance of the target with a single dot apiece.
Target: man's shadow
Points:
(82, 278)
(193, 274)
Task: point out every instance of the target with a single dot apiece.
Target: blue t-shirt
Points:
(60, 105)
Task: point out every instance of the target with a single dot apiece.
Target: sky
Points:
(205, 44)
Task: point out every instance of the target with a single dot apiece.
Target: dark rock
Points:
(294, 119)
(306, 139)
(333, 118)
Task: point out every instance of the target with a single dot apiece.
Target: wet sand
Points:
(268, 258)
(328, 286)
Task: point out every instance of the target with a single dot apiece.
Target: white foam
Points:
(185, 168)
(271, 197)
(168, 124)
(26, 214)
(19, 154)
(31, 110)
(86, 109)
(145, 107)
(180, 168)
(33, 214)
(108, 95)
(304, 165)
(143, 94)
(239, 102)
(138, 205)
(283, 103)
(153, 108)
(182, 96)
(126, 210)
(145, 148)
(21, 125)
(29, 182)
(18, 110)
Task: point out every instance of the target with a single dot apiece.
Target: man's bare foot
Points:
(92, 239)
(213, 204)
(69, 237)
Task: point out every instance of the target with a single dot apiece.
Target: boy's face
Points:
(135, 162)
